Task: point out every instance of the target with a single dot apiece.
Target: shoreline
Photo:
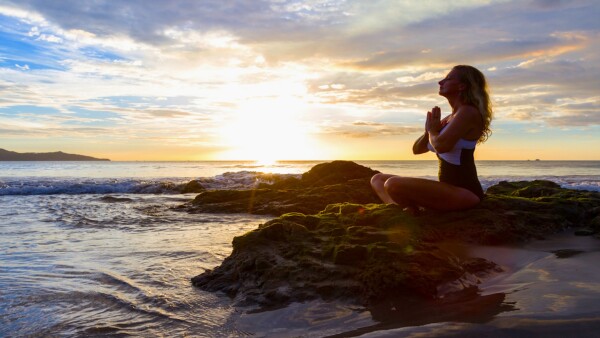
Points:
(518, 314)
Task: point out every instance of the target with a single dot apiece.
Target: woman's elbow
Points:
(419, 149)
(441, 148)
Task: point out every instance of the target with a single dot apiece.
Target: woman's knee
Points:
(395, 184)
(379, 179)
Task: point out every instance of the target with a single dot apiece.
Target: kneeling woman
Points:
(453, 139)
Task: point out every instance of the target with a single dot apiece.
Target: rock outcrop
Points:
(366, 252)
(324, 184)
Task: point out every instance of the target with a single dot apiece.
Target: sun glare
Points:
(267, 130)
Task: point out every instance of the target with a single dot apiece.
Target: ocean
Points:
(98, 249)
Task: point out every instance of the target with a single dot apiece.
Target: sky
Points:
(292, 80)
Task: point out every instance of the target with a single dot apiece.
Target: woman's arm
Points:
(463, 121)
(420, 145)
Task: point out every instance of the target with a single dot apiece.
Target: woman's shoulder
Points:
(469, 114)
(468, 110)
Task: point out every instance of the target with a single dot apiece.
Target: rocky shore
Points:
(324, 184)
(333, 240)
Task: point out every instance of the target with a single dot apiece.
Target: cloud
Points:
(479, 52)
(79, 132)
(577, 114)
(365, 123)
(368, 129)
(385, 95)
(156, 113)
(581, 119)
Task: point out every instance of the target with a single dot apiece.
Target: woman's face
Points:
(451, 84)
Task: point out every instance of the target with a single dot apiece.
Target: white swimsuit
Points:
(453, 156)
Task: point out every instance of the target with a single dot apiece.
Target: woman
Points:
(453, 139)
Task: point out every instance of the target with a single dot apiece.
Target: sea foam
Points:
(76, 186)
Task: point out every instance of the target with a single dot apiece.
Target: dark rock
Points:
(366, 253)
(584, 232)
(595, 223)
(193, 186)
(331, 261)
(347, 254)
(535, 188)
(112, 199)
(566, 253)
(324, 184)
(334, 173)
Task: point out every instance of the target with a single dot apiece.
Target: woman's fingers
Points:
(427, 120)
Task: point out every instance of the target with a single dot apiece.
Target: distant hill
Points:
(6, 155)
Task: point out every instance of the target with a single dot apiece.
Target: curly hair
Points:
(477, 95)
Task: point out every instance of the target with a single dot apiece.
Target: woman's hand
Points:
(433, 123)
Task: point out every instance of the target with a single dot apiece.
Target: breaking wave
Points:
(76, 186)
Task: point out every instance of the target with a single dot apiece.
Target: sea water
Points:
(98, 248)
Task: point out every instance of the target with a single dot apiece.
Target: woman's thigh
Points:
(430, 194)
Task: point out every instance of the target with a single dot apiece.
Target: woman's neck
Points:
(455, 103)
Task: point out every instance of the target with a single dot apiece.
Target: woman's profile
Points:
(453, 139)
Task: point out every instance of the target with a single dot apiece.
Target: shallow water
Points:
(83, 265)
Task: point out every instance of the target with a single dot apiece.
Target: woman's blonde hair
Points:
(477, 95)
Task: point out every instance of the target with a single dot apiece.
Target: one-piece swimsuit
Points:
(457, 166)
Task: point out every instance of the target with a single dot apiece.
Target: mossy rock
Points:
(309, 221)
(365, 252)
(303, 196)
(334, 173)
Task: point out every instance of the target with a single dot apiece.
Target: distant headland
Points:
(6, 155)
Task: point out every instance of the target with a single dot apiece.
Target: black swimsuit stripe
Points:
(463, 175)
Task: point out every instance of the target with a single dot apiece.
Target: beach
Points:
(101, 249)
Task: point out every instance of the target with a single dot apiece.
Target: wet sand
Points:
(548, 288)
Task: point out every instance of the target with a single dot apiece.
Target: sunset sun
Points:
(267, 130)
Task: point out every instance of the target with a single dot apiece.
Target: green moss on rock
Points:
(365, 252)
(324, 184)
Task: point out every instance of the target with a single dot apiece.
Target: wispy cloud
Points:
(367, 129)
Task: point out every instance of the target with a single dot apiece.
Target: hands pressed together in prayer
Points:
(434, 124)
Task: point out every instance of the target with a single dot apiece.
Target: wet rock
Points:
(595, 224)
(112, 199)
(324, 184)
(584, 232)
(322, 255)
(566, 253)
(334, 173)
(348, 254)
(193, 186)
(368, 253)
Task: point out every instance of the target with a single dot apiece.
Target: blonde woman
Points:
(453, 139)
